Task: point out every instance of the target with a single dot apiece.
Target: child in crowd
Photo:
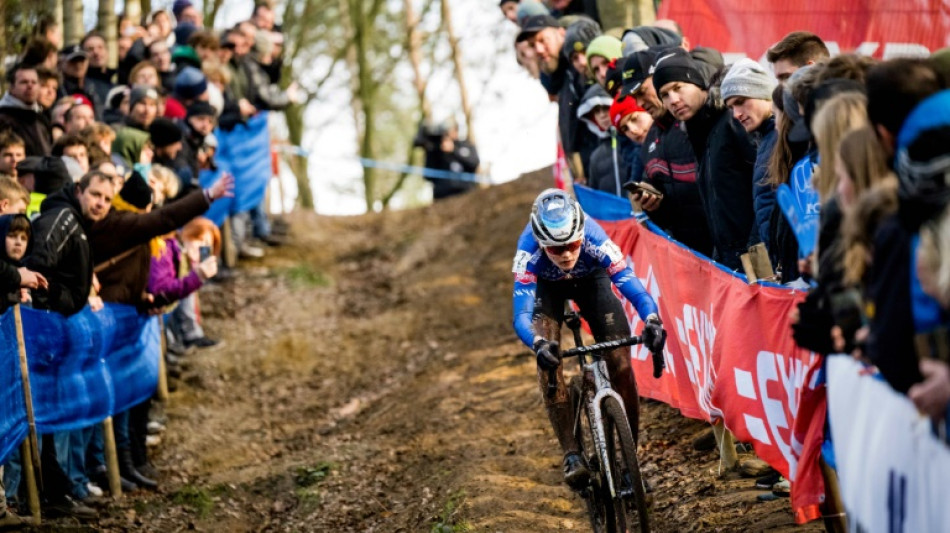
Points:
(13, 197)
(12, 151)
(16, 232)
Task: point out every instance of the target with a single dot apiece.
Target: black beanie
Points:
(676, 65)
(136, 192)
(200, 108)
(164, 132)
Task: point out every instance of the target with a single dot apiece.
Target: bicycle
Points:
(615, 495)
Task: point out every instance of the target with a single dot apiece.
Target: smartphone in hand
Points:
(204, 252)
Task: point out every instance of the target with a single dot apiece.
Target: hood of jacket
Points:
(9, 100)
(5, 222)
(593, 97)
(64, 198)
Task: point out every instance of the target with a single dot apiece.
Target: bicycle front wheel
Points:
(596, 496)
(630, 504)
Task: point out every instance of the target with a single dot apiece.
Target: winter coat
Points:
(630, 153)
(125, 280)
(29, 123)
(608, 169)
(671, 167)
(163, 280)
(571, 86)
(594, 96)
(129, 141)
(10, 283)
(726, 158)
(249, 81)
(462, 159)
(763, 194)
(62, 254)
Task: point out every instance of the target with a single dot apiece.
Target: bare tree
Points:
(72, 22)
(106, 25)
(133, 10)
(459, 68)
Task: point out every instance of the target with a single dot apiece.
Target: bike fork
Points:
(600, 435)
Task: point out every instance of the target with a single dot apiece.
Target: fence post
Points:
(29, 456)
(112, 458)
(162, 392)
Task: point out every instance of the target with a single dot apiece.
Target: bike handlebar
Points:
(607, 345)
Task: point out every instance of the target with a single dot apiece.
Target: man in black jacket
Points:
(21, 113)
(725, 154)
(446, 152)
(670, 165)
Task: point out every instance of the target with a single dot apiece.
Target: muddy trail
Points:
(369, 380)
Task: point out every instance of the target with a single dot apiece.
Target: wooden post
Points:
(835, 517)
(112, 458)
(30, 456)
(162, 392)
(728, 458)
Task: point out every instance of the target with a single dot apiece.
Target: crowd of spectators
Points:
(704, 149)
(100, 200)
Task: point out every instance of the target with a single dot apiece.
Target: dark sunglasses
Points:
(563, 248)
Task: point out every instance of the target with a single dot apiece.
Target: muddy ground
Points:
(369, 380)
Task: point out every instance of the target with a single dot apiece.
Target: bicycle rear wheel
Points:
(630, 503)
(596, 496)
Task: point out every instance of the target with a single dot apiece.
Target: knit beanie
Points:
(677, 65)
(621, 108)
(141, 92)
(747, 78)
(530, 8)
(579, 36)
(605, 46)
(200, 109)
(180, 6)
(164, 132)
(190, 83)
(136, 192)
(643, 37)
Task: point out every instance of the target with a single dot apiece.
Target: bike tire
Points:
(600, 509)
(622, 450)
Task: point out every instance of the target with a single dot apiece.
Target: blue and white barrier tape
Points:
(397, 167)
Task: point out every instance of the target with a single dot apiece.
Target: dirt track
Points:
(370, 381)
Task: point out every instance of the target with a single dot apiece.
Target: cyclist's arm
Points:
(522, 298)
(613, 261)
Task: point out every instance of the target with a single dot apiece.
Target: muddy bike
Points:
(615, 496)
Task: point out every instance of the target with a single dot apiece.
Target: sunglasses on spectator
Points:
(563, 248)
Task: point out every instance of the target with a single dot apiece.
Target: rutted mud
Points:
(370, 381)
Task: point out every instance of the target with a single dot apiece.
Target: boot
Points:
(101, 478)
(576, 474)
(69, 508)
(128, 471)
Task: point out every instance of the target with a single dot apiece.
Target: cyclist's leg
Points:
(603, 311)
(548, 315)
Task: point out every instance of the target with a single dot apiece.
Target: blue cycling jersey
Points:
(598, 252)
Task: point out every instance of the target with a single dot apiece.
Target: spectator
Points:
(795, 50)
(509, 9)
(249, 82)
(166, 139)
(75, 81)
(724, 151)
(263, 17)
(197, 127)
(594, 113)
(79, 115)
(12, 151)
(73, 145)
(191, 85)
(40, 53)
(644, 37)
(47, 28)
(49, 88)
(206, 45)
(159, 55)
(609, 168)
(94, 44)
(15, 229)
(21, 114)
(57, 115)
(186, 13)
(41, 176)
(633, 122)
(445, 152)
(13, 197)
(669, 163)
(673, 26)
(145, 74)
(117, 105)
(130, 140)
(747, 90)
(184, 319)
(600, 53)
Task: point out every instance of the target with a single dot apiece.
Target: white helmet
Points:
(556, 218)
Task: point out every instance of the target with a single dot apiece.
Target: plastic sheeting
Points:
(83, 368)
(245, 153)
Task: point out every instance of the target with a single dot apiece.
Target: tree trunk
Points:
(72, 22)
(106, 24)
(361, 25)
(55, 8)
(133, 10)
(644, 12)
(146, 7)
(299, 164)
(459, 69)
(209, 18)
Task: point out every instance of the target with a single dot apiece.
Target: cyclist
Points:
(562, 256)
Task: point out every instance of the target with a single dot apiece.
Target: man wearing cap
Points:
(21, 113)
(669, 162)
(75, 81)
(724, 151)
(131, 138)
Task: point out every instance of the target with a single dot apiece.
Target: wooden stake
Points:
(728, 458)
(112, 458)
(162, 392)
(31, 455)
(33, 494)
(836, 520)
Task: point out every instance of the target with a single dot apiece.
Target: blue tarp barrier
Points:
(83, 368)
(245, 153)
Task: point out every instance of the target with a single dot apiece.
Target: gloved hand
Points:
(549, 354)
(654, 338)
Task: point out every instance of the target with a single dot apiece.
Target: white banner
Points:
(894, 473)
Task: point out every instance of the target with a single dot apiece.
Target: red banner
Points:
(730, 355)
(878, 28)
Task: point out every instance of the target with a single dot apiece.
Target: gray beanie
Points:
(747, 78)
